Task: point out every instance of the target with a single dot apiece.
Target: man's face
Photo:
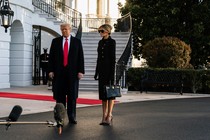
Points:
(65, 30)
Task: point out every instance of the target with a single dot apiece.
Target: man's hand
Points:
(80, 75)
(51, 75)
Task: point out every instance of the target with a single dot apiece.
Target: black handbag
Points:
(113, 91)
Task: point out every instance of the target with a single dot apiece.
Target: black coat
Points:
(75, 65)
(105, 68)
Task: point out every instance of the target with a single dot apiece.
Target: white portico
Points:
(98, 8)
(16, 46)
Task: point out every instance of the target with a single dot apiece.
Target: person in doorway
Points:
(105, 70)
(66, 68)
(44, 66)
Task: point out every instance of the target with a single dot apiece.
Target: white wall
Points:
(16, 45)
(20, 55)
(4, 59)
(10, 46)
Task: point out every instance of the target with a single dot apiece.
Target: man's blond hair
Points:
(65, 24)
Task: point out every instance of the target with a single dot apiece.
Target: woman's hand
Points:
(96, 76)
(80, 75)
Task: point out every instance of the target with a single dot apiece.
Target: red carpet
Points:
(46, 98)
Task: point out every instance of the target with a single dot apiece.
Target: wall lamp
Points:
(6, 14)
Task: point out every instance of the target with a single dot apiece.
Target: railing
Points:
(92, 24)
(59, 10)
(124, 25)
(79, 30)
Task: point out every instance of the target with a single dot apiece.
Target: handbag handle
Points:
(110, 85)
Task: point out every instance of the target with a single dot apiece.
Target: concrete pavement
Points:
(36, 106)
(173, 119)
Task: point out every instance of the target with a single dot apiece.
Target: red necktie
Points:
(65, 53)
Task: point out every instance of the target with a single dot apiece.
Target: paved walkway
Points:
(36, 106)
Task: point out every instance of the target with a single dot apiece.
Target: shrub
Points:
(167, 52)
(196, 81)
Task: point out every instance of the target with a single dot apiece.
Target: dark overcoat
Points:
(105, 67)
(75, 65)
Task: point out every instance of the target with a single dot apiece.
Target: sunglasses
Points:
(101, 31)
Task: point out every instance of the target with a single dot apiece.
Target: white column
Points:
(88, 8)
(108, 9)
(99, 8)
(69, 3)
(107, 19)
(75, 4)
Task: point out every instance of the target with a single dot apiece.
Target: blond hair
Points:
(106, 27)
(65, 24)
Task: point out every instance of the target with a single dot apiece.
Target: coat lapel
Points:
(71, 47)
(60, 48)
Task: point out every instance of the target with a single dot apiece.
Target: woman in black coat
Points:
(105, 71)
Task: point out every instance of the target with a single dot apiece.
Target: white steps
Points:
(90, 44)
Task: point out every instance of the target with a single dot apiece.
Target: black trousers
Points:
(44, 76)
(70, 104)
(65, 96)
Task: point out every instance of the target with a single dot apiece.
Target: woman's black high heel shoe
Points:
(103, 122)
(109, 120)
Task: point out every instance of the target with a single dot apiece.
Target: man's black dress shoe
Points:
(73, 122)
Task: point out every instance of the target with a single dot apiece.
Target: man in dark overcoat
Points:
(66, 68)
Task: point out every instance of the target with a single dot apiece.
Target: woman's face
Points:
(103, 32)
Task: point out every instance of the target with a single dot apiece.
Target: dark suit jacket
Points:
(75, 65)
